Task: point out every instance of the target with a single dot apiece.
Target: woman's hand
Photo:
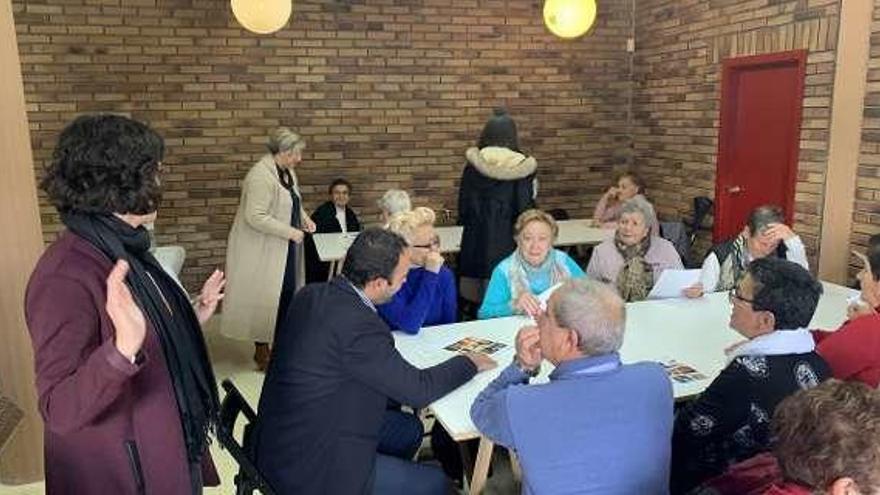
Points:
(779, 231)
(296, 235)
(127, 317)
(309, 225)
(434, 261)
(210, 296)
(612, 193)
(528, 304)
(694, 291)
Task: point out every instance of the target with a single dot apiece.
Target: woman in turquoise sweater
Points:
(533, 268)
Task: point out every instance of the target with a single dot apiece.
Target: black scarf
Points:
(168, 310)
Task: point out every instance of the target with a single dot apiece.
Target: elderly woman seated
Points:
(428, 295)
(729, 422)
(394, 201)
(634, 259)
(532, 269)
(765, 234)
(629, 186)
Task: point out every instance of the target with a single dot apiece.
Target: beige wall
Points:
(20, 245)
(845, 135)
(866, 207)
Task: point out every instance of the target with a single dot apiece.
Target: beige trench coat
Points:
(256, 255)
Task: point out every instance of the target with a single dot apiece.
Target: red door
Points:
(759, 139)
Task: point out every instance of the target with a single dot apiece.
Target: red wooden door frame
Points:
(729, 68)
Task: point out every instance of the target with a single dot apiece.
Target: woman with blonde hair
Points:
(264, 257)
(428, 296)
(533, 268)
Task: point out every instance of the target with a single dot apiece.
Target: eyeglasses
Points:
(732, 296)
(435, 242)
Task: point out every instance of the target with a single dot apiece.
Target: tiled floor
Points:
(232, 359)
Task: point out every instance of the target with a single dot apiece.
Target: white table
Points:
(333, 246)
(694, 332)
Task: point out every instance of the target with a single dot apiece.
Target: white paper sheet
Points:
(673, 282)
(545, 296)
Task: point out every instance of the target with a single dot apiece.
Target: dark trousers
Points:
(400, 434)
(395, 476)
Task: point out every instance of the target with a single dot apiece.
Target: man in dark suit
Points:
(333, 369)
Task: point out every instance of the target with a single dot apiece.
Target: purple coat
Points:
(99, 409)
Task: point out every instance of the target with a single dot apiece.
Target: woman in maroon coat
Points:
(125, 386)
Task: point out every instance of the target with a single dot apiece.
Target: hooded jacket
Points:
(496, 186)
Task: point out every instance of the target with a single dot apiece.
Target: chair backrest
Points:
(702, 208)
(249, 477)
(675, 233)
(559, 214)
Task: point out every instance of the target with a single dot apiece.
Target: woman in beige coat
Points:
(264, 258)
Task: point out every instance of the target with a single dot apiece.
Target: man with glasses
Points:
(771, 307)
(599, 426)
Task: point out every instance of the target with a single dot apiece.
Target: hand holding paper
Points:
(672, 283)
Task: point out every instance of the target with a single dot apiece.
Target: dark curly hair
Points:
(373, 254)
(105, 164)
(785, 289)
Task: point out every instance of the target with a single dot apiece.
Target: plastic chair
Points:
(249, 477)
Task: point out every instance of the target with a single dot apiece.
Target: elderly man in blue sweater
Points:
(598, 426)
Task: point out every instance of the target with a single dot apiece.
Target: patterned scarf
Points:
(522, 274)
(734, 266)
(636, 276)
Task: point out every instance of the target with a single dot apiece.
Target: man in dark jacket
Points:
(333, 368)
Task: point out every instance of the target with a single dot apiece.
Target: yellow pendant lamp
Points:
(262, 16)
(569, 18)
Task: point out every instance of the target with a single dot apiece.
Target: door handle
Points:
(734, 189)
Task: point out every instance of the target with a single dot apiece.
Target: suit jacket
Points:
(333, 369)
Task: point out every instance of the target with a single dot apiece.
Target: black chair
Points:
(702, 208)
(248, 478)
(559, 214)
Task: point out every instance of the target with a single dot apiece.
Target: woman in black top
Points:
(332, 216)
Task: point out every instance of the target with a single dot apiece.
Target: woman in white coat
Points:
(264, 258)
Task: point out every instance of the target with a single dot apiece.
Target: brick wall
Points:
(388, 93)
(679, 48)
(866, 207)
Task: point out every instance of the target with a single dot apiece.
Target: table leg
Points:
(481, 467)
(332, 270)
(515, 468)
(339, 266)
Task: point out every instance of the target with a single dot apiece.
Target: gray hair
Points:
(594, 311)
(283, 139)
(762, 217)
(394, 201)
(640, 205)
